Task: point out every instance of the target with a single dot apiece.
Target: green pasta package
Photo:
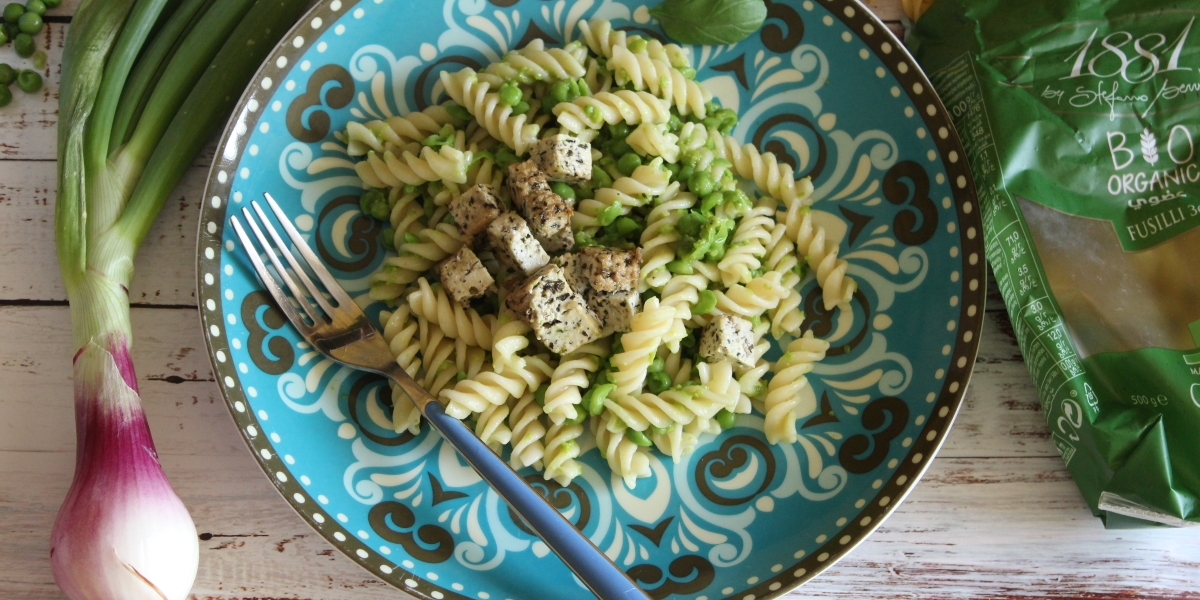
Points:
(1081, 121)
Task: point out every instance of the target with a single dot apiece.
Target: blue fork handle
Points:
(596, 571)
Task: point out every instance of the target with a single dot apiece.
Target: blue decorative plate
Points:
(826, 87)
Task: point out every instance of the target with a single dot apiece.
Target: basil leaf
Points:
(714, 22)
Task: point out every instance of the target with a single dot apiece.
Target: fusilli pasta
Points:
(783, 403)
(627, 460)
(572, 374)
(525, 421)
(592, 112)
(466, 89)
(639, 343)
(457, 321)
(822, 257)
(748, 244)
(646, 183)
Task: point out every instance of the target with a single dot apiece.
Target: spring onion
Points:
(145, 84)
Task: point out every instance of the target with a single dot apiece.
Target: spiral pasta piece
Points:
(472, 94)
(682, 292)
(781, 257)
(535, 63)
(639, 343)
(646, 183)
(413, 259)
(748, 245)
(592, 112)
(444, 358)
(675, 441)
(457, 321)
(446, 164)
(749, 301)
(570, 376)
(646, 410)
(784, 402)
(764, 169)
(627, 460)
(654, 140)
(489, 388)
(396, 132)
(822, 257)
(491, 426)
(642, 71)
(509, 336)
(659, 237)
(597, 79)
(749, 381)
(400, 333)
(528, 432)
(602, 38)
(562, 450)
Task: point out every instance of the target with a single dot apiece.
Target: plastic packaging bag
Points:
(1081, 121)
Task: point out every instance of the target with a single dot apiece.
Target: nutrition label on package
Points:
(1038, 326)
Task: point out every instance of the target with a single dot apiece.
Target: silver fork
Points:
(340, 330)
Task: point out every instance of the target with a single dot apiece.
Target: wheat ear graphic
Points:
(1149, 146)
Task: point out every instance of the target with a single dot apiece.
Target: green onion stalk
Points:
(145, 85)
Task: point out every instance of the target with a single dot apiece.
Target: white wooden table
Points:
(997, 516)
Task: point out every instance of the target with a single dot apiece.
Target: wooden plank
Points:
(958, 535)
(165, 266)
(27, 129)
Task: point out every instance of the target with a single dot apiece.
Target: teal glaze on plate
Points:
(823, 85)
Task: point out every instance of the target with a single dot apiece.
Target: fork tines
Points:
(343, 311)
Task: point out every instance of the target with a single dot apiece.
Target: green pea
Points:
(461, 375)
(636, 44)
(11, 30)
(52, 3)
(580, 415)
(35, 6)
(701, 184)
(388, 238)
(540, 395)
(726, 419)
(13, 12)
(584, 239)
(373, 203)
(3, 35)
(707, 302)
(594, 400)
(711, 201)
(411, 238)
(610, 214)
(674, 124)
(30, 23)
(510, 95)
(680, 267)
(658, 382)
(563, 190)
(637, 437)
(5, 96)
(601, 179)
(628, 163)
(626, 226)
(685, 173)
(619, 147)
(7, 74)
(505, 157)
(39, 60)
(657, 365)
(24, 45)
(458, 112)
(521, 108)
(688, 72)
(673, 169)
(561, 91)
(593, 114)
(620, 130)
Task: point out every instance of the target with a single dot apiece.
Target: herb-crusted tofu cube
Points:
(558, 315)
(473, 211)
(514, 245)
(525, 182)
(464, 276)
(563, 158)
(573, 272)
(609, 269)
(728, 337)
(614, 309)
(561, 241)
(549, 218)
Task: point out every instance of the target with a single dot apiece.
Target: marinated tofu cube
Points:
(561, 240)
(615, 310)
(473, 211)
(558, 315)
(563, 158)
(464, 277)
(514, 245)
(573, 273)
(610, 269)
(525, 182)
(728, 337)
